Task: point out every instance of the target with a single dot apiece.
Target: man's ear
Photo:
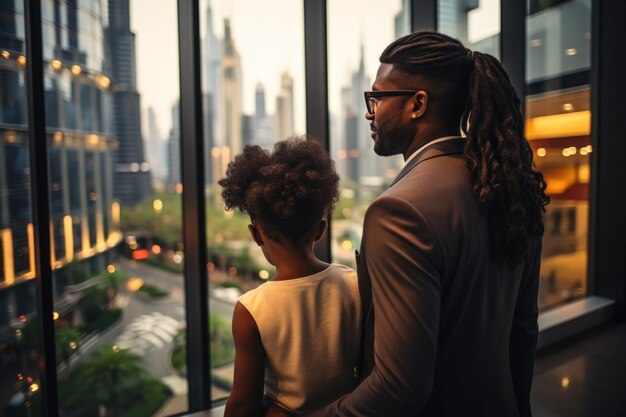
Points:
(255, 234)
(420, 104)
(321, 229)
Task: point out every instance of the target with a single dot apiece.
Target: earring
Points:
(413, 116)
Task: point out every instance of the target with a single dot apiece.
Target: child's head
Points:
(287, 192)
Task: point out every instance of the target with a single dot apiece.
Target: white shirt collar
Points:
(432, 142)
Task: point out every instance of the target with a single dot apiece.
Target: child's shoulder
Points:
(343, 272)
(252, 293)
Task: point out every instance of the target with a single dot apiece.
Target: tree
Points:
(113, 376)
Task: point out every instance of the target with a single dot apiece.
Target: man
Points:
(449, 261)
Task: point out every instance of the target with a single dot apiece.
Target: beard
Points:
(386, 146)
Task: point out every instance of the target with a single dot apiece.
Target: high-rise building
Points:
(156, 148)
(132, 172)
(263, 127)
(284, 107)
(173, 147)
(232, 94)
(84, 218)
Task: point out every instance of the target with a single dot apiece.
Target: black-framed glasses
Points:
(371, 97)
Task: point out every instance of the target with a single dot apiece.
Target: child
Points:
(297, 336)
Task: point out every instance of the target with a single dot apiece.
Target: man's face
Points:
(390, 124)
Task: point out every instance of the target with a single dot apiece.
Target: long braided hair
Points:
(505, 182)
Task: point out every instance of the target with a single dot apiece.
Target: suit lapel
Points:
(448, 147)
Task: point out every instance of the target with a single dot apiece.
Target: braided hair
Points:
(287, 191)
(504, 180)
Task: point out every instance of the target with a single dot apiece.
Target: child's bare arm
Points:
(246, 398)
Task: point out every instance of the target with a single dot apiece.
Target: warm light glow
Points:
(76, 70)
(210, 266)
(100, 243)
(7, 256)
(572, 150)
(232, 271)
(346, 244)
(111, 268)
(69, 238)
(21, 60)
(583, 151)
(115, 213)
(229, 214)
(133, 244)
(5, 54)
(58, 137)
(134, 284)
(541, 152)
(55, 315)
(354, 153)
(584, 174)
(565, 382)
(568, 107)
(347, 212)
(342, 154)
(178, 257)
(263, 274)
(215, 152)
(34, 387)
(104, 82)
(73, 345)
(536, 42)
(571, 51)
(140, 254)
(53, 258)
(30, 232)
(115, 348)
(85, 244)
(134, 167)
(10, 137)
(157, 205)
(559, 125)
(566, 152)
(56, 64)
(179, 188)
(156, 249)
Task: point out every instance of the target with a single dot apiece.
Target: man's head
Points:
(419, 92)
(429, 86)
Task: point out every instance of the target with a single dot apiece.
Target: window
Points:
(253, 93)
(558, 120)
(353, 51)
(19, 343)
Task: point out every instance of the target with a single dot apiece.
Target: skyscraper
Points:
(132, 172)
(284, 107)
(231, 81)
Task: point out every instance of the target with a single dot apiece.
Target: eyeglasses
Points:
(371, 97)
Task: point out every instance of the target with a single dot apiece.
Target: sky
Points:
(270, 38)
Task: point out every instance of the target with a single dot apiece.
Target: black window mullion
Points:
(316, 68)
(194, 218)
(423, 15)
(512, 35)
(38, 159)
(607, 223)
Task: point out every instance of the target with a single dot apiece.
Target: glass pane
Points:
(353, 51)
(116, 229)
(476, 23)
(253, 90)
(558, 120)
(19, 342)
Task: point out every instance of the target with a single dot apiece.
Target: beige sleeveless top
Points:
(311, 329)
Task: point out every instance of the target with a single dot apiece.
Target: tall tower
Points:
(263, 126)
(155, 147)
(132, 172)
(231, 81)
(284, 107)
(173, 148)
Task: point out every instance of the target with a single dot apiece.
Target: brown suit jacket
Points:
(455, 330)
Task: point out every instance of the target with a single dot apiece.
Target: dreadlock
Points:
(504, 179)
